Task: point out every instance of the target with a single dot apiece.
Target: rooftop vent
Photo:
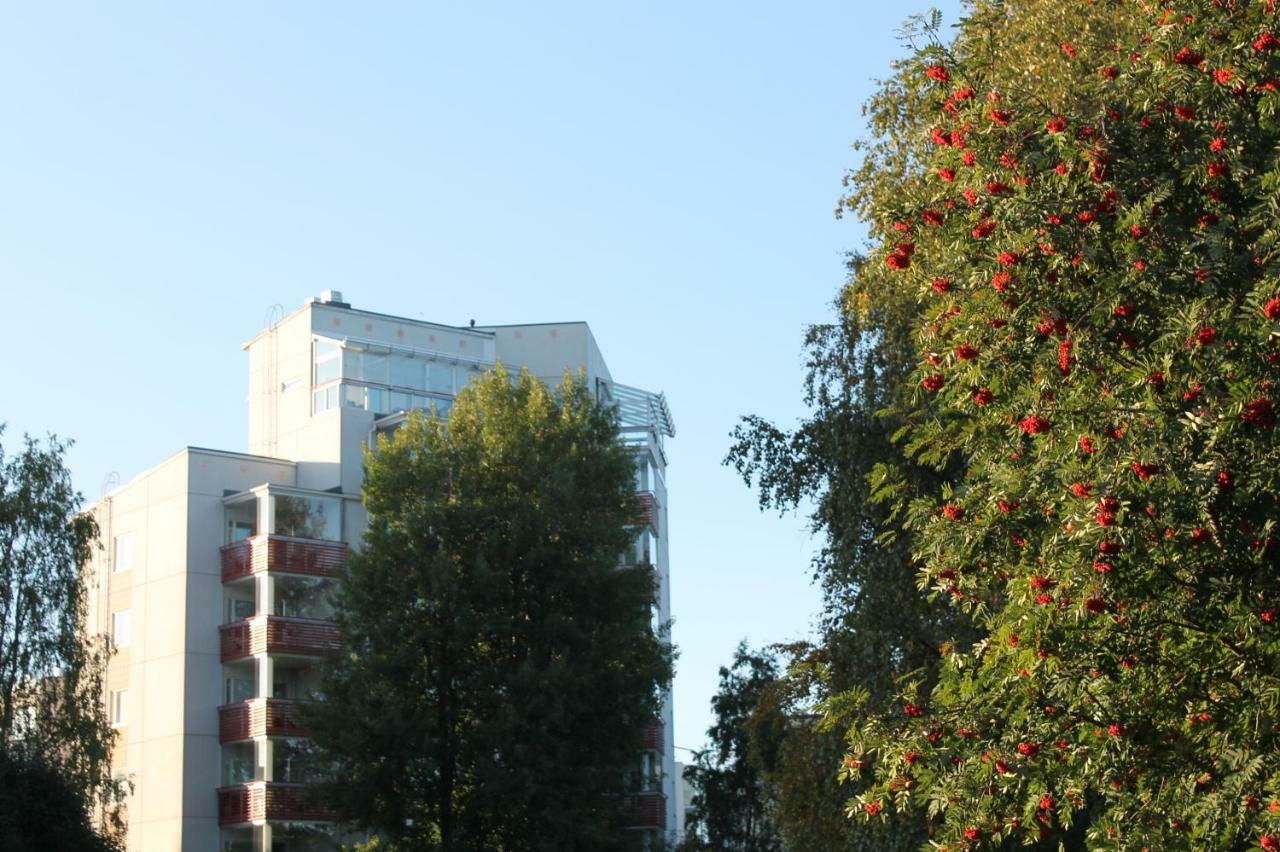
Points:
(334, 298)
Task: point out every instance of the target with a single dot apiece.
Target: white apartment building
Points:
(215, 564)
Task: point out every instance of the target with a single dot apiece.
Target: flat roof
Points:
(204, 451)
(316, 303)
(532, 324)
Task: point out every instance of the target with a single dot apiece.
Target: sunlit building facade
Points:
(215, 568)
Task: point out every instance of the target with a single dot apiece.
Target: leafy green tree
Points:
(39, 809)
(499, 664)
(874, 625)
(729, 798)
(1089, 226)
(54, 731)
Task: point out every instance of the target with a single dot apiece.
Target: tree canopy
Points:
(731, 805)
(499, 664)
(1080, 199)
(54, 732)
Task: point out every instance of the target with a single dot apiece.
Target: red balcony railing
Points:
(284, 554)
(265, 801)
(233, 722)
(270, 717)
(651, 737)
(278, 634)
(645, 810)
(235, 641)
(648, 509)
(233, 805)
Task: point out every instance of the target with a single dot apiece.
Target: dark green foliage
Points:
(874, 624)
(53, 724)
(730, 800)
(499, 665)
(39, 810)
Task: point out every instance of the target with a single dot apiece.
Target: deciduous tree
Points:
(1090, 229)
(730, 801)
(54, 731)
(499, 664)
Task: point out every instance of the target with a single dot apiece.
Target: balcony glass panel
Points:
(238, 608)
(364, 366)
(305, 838)
(327, 361)
(238, 689)
(294, 762)
(241, 521)
(376, 400)
(303, 597)
(237, 764)
(400, 401)
(408, 372)
(440, 377)
(642, 551)
(308, 517)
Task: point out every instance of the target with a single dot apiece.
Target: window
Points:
(119, 705)
(328, 361)
(308, 517)
(325, 399)
(237, 763)
(239, 608)
(426, 403)
(468, 374)
(242, 521)
(440, 377)
(293, 762)
(121, 628)
(376, 400)
(650, 771)
(643, 550)
(239, 689)
(401, 401)
(408, 372)
(123, 552)
(365, 366)
(353, 396)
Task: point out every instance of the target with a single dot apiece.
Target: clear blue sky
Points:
(665, 171)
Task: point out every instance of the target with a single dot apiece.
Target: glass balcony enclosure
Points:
(377, 379)
(281, 511)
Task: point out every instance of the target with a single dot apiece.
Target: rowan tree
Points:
(1090, 231)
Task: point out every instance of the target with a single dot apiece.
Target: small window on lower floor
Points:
(121, 631)
(119, 708)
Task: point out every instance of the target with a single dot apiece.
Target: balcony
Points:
(651, 737)
(645, 810)
(648, 510)
(278, 634)
(261, 717)
(261, 801)
(284, 554)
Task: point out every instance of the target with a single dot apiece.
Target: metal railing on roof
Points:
(639, 407)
